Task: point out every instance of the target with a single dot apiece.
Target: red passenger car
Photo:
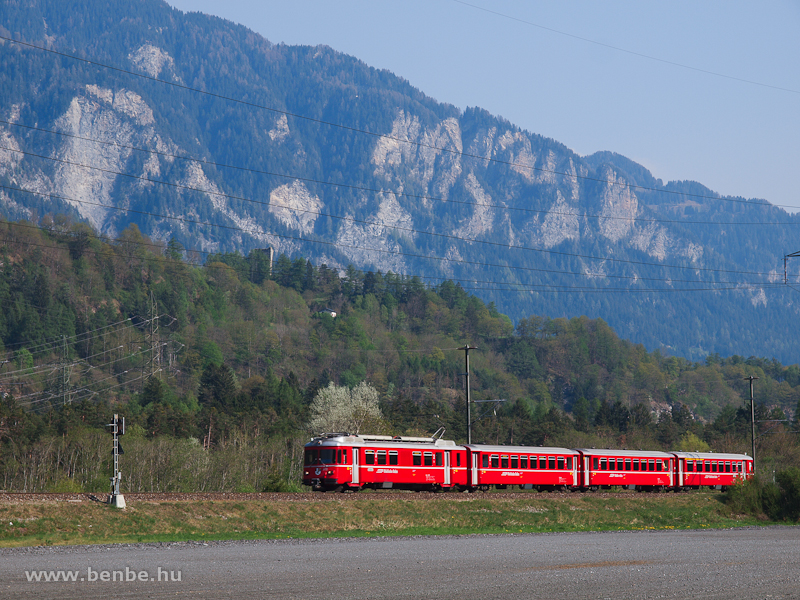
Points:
(529, 467)
(340, 461)
(709, 469)
(634, 469)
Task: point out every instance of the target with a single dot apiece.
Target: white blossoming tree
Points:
(342, 409)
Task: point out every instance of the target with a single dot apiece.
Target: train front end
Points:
(326, 464)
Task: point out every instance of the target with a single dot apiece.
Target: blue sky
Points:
(708, 91)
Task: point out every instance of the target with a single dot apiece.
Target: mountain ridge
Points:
(521, 222)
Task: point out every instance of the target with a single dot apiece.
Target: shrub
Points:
(779, 501)
(746, 497)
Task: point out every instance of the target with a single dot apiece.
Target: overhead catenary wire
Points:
(371, 133)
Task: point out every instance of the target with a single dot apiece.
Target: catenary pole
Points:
(466, 350)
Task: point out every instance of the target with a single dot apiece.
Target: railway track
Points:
(157, 497)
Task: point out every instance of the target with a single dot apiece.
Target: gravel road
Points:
(738, 563)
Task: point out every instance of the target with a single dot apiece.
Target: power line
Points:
(429, 257)
(376, 190)
(261, 233)
(378, 135)
(509, 286)
(59, 340)
(626, 51)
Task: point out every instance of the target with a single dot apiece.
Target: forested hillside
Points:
(215, 365)
(200, 131)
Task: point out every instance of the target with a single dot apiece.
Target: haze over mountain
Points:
(250, 144)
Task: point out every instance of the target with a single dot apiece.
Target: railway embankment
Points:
(58, 519)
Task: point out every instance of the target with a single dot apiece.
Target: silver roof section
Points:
(519, 449)
(712, 456)
(629, 453)
(377, 440)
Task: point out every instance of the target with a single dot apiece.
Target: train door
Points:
(585, 471)
(474, 481)
(356, 477)
(575, 460)
(680, 462)
(447, 467)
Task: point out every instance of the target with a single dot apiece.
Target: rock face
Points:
(243, 144)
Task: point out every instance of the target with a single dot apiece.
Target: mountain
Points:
(198, 129)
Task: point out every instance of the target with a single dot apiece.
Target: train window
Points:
(659, 465)
(458, 460)
(311, 456)
(392, 457)
(523, 462)
(727, 466)
(636, 464)
(689, 466)
(652, 465)
(339, 456)
(594, 463)
(627, 464)
(737, 467)
(504, 462)
(561, 462)
(542, 462)
(438, 457)
(495, 461)
(369, 457)
(569, 463)
(604, 464)
(612, 464)
(713, 466)
(327, 456)
(514, 462)
(551, 462)
(428, 456)
(416, 458)
(381, 457)
(485, 461)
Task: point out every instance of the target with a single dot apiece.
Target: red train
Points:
(341, 461)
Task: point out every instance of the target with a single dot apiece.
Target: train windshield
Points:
(326, 456)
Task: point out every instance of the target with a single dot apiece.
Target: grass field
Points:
(56, 523)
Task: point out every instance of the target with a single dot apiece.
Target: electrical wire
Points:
(380, 191)
(256, 233)
(631, 52)
(377, 135)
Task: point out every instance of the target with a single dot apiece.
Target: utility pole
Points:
(466, 350)
(752, 421)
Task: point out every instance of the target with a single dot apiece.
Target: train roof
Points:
(519, 449)
(630, 453)
(379, 441)
(712, 456)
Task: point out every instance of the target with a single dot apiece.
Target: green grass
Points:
(364, 516)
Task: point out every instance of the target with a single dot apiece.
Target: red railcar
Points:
(710, 469)
(527, 467)
(340, 461)
(634, 469)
